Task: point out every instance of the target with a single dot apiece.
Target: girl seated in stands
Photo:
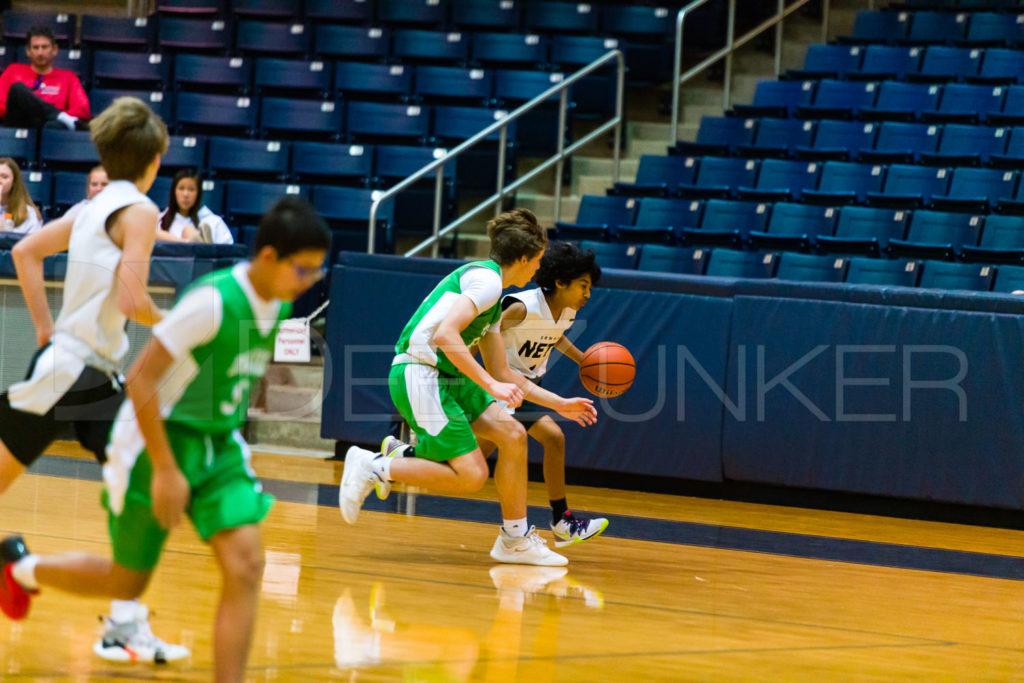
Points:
(17, 211)
(186, 218)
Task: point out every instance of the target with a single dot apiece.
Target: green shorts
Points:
(439, 409)
(225, 492)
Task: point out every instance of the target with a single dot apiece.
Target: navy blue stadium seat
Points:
(941, 64)
(870, 271)
(430, 46)
(844, 182)
(520, 49)
(658, 175)
(977, 189)
(400, 161)
(660, 221)
(249, 199)
(828, 61)
(517, 86)
(485, 14)
(902, 101)
(795, 226)
(777, 98)
(355, 11)
(371, 120)
(622, 256)
(273, 38)
(1002, 241)
(124, 33)
(214, 192)
(879, 27)
(743, 264)
(160, 192)
(864, 230)
(781, 179)
(720, 177)
(192, 8)
(292, 77)
(728, 222)
(426, 12)
(1009, 280)
(568, 51)
(380, 81)
(966, 276)
(19, 144)
(477, 171)
(938, 234)
(962, 142)
(40, 187)
(277, 10)
(67, 149)
(561, 17)
(936, 28)
(839, 99)
(637, 22)
(301, 119)
(347, 211)
(967, 103)
(686, 261)
(330, 162)
(811, 268)
(351, 42)
(1001, 66)
(414, 207)
(887, 62)
(135, 70)
(158, 101)
(720, 135)
(777, 138)
(902, 142)
(206, 112)
(212, 73)
(596, 215)
(911, 186)
(992, 28)
(17, 23)
(68, 189)
(454, 84)
(185, 151)
(839, 140)
(232, 157)
(1013, 108)
(176, 33)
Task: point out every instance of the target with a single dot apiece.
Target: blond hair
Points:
(18, 199)
(128, 136)
(515, 234)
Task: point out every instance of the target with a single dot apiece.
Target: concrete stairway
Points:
(285, 410)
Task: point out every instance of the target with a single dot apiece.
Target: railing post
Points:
(438, 197)
(677, 73)
(619, 91)
(778, 39)
(371, 228)
(563, 104)
(502, 141)
(731, 37)
(825, 7)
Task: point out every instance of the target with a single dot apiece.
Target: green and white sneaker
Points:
(571, 529)
(389, 448)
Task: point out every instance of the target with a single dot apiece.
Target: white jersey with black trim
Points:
(90, 322)
(528, 344)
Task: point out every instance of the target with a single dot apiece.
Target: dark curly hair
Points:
(564, 262)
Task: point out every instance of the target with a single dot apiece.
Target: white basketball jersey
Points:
(89, 321)
(528, 344)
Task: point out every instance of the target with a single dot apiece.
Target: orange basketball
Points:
(607, 369)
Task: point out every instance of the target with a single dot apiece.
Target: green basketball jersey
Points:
(216, 399)
(416, 345)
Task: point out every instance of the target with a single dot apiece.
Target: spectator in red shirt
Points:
(37, 95)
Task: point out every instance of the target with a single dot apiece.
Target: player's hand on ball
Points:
(170, 493)
(580, 410)
(507, 392)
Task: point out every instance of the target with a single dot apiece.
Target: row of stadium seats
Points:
(800, 227)
(934, 27)
(935, 63)
(809, 267)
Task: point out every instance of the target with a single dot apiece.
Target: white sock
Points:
(67, 119)
(24, 572)
(123, 611)
(382, 467)
(515, 527)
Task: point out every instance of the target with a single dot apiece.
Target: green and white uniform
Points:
(437, 400)
(221, 335)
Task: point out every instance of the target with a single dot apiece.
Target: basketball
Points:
(607, 369)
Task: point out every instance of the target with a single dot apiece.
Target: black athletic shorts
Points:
(89, 406)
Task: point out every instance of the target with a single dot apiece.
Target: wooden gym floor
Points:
(677, 589)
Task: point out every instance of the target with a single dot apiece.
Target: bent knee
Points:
(245, 568)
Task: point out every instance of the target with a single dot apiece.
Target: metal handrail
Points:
(500, 126)
(732, 44)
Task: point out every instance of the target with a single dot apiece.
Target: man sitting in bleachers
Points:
(37, 95)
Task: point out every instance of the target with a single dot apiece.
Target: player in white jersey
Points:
(533, 322)
(74, 378)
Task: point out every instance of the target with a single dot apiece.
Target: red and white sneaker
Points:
(14, 598)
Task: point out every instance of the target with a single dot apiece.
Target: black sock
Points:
(409, 452)
(558, 508)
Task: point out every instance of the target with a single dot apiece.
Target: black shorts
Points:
(529, 414)
(89, 407)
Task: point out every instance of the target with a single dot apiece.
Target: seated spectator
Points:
(37, 95)
(97, 181)
(19, 212)
(186, 218)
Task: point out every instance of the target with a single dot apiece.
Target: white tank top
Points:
(528, 344)
(89, 323)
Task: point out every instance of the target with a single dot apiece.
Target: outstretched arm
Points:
(28, 255)
(569, 349)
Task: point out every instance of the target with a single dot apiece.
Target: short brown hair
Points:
(515, 234)
(128, 135)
